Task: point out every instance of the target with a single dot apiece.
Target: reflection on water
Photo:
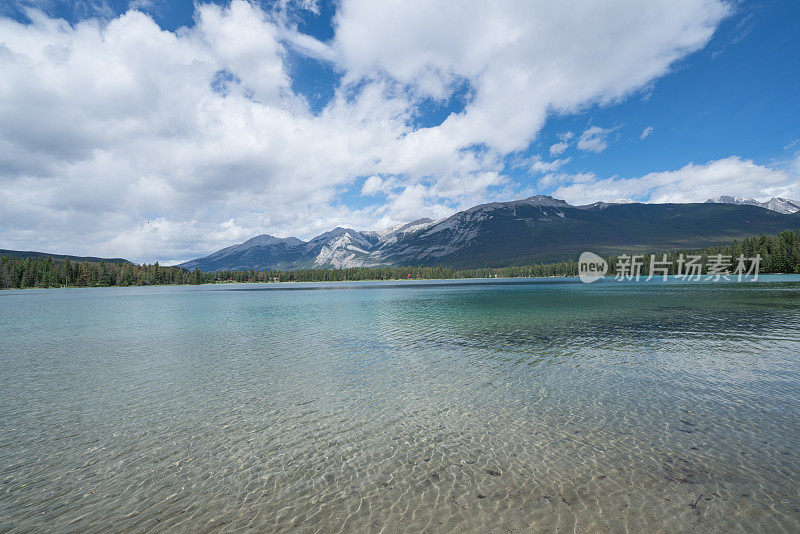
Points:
(402, 407)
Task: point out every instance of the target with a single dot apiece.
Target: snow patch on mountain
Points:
(739, 201)
(780, 205)
(342, 247)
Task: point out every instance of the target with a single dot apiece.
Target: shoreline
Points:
(232, 282)
(371, 280)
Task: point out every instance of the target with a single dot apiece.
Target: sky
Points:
(155, 130)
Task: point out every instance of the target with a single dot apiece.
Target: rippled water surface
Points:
(544, 405)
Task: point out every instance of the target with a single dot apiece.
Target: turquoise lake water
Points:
(508, 405)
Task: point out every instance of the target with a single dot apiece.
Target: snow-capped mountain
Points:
(535, 229)
(780, 205)
(726, 199)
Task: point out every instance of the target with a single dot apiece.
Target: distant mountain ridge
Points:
(22, 254)
(781, 205)
(531, 230)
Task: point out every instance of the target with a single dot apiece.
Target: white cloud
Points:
(646, 132)
(548, 166)
(119, 138)
(563, 144)
(536, 165)
(523, 58)
(691, 183)
(372, 186)
(308, 5)
(142, 5)
(306, 45)
(594, 139)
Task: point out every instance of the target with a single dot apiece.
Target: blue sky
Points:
(290, 118)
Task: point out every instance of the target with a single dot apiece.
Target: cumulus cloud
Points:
(120, 138)
(691, 183)
(521, 57)
(372, 186)
(594, 139)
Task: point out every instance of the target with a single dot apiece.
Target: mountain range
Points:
(781, 205)
(533, 230)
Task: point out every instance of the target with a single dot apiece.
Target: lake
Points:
(402, 406)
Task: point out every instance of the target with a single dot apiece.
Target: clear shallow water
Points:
(503, 405)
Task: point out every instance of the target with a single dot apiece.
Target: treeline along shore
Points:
(779, 254)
